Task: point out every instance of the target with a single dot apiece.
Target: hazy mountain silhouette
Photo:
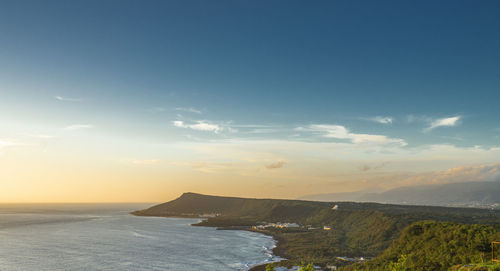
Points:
(472, 194)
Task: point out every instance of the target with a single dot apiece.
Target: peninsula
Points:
(363, 236)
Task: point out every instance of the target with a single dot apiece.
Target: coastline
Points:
(277, 250)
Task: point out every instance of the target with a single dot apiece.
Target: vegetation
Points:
(431, 245)
(477, 267)
(270, 267)
(394, 233)
(302, 267)
(306, 267)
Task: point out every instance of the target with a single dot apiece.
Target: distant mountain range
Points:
(468, 194)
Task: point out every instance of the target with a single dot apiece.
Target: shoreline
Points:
(277, 250)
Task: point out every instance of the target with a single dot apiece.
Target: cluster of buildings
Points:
(280, 225)
(276, 225)
(208, 215)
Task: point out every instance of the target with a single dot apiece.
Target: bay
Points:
(105, 237)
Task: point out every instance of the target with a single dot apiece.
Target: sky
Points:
(140, 101)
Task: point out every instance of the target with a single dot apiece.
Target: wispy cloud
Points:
(411, 118)
(457, 138)
(276, 165)
(443, 122)
(257, 128)
(253, 126)
(199, 126)
(207, 167)
(40, 136)
(189, 109)
(6, 143)
(75, 127)
(383, 120)
(146, 162)
(367, 167)
(67, 99)
(418, 118)
(263, 131)
(340, 132)
(156, 109)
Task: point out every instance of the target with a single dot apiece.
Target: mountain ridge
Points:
(485, 194)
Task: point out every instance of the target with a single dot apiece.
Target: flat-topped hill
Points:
(193, 204)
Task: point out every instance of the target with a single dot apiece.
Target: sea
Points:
(78, 237)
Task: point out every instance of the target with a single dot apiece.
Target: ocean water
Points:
(106, 237)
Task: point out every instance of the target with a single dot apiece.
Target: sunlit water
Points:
(106, 237)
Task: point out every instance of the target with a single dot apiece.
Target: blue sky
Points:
(404, 74)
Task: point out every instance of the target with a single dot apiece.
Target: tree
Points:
(482, 245)
(400, 265)
(270, 267)
(308, 267)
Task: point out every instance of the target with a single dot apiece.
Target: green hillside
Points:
(358, 229)
(430, 245)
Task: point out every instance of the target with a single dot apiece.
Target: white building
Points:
(288, 225)
(277, 225)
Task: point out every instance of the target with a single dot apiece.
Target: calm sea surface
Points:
(106, 237)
